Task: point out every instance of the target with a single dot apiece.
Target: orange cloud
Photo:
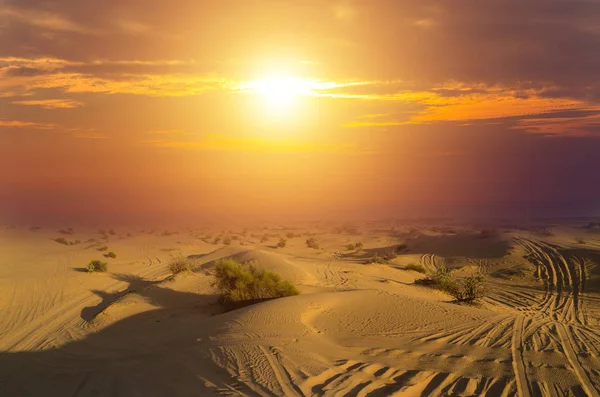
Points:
(51, 104)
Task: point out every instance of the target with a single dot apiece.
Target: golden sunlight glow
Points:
(280, 92)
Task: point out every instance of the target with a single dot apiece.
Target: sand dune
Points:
(356, 329)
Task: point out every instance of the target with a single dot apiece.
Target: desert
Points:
(358, 326)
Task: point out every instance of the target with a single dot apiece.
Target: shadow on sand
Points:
(164, 352)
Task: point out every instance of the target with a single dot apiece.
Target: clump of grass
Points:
(110, 255)
(376, 259)
(464, 290)
(75, 242)
(103, 248)
(61, 240)
(227, 240)
(290, 235)
(264, 238)
(97, 266)
(180, 264)
(246, 282)
(416, 268)
(312, 243)
(354, 246)
(282, 243)
(216, 240)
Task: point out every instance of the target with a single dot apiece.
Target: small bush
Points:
(416, 268)
(358, 246)
(290, 235)
(110, 255)
(216, 240)
(227, 240)
(465, 290)
(103, 248)
(61, 240)
(282, 243)
(112, 232)
(264, 238)
(237, 282)
(350, 247)
(74, 242)
(68, 230)
(180, 264)
(376, 259)
(468, 289)
(312, 243)
(96, 266)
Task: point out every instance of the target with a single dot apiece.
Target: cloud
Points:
(216, 142)
(25, 124)
(50, 104)
(44, 20)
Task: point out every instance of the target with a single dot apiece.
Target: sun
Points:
(280, 92)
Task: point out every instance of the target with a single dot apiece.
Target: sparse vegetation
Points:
(61, 240)
(227, 240)
(110, 255)
(68, 230)
(264, 238)
(466, 290)
(103, 248)
(312, 243)
(179, 264)
(246, 282)
(350, 247)
(282, 243)
(216, 240)
(97, 266)
(416, 268)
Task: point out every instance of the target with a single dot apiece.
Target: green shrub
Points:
(467, 289)
(416, 268)
(237, 282)
(312, 243)
(110, 255)
(97, 266)
(179, 264)
(282, 243)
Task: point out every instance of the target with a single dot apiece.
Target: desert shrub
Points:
(227, 240)
(237, 282)
(103, 248)
(416, 268)
(74, 242)
(358, 246)
(376, 259)
(216, 240)
(350, 247)
(179, 264)
(110, 255)
(235, 237)
(467, 289)
(290, 235)
(97, 266)
(264, 238)
(66, 231)
(282, 243)
(112, 232)
(312, 243)
(61, 240)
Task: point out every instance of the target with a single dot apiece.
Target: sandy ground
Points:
(356, 329)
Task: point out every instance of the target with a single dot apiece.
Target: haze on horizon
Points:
(298, 109)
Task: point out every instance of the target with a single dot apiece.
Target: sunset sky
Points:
(307, 108)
